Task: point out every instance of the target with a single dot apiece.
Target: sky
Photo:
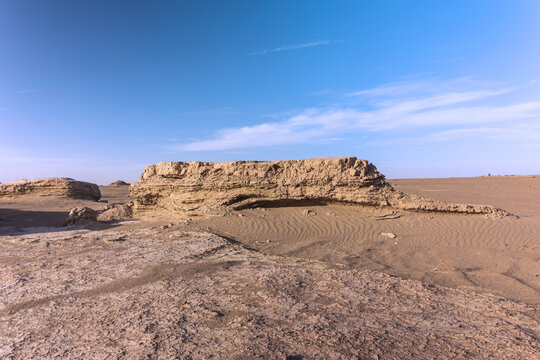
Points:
(97, 90)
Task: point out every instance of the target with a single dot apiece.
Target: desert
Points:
(288, 180)
(294, 275)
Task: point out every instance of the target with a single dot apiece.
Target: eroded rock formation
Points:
(116, 212)
(82, 214)
(64, 187)
(206, 188)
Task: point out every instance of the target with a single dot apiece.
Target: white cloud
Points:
(392, 89)
(297, 46)
(267, 134)
(519, 133)
(527, 135)
(423, 106)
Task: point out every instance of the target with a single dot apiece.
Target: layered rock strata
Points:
(62, 187)
(206, 188)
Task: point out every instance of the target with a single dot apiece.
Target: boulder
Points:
(205, 188)
(63, 187)
(116, 212)
(80, 215)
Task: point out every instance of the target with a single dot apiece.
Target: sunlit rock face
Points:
(206, 188)
(61, 187)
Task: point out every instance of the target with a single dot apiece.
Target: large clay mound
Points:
(206, 188)
(62, 187)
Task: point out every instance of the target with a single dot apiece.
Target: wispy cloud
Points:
(296, 46)
(322, 92)
(440, 111)
(27, 91)
(526, 134)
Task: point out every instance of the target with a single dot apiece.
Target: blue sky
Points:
(97, 90)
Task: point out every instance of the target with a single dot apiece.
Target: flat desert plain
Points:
(298, 281)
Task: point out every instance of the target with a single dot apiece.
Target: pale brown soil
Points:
(277, 284)
(140, 291)
(38, 213)
(497, 255)
(517, 194)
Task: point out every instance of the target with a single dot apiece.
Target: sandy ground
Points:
(497, 255)
(517, 194)
(275, 283)
(35, 214)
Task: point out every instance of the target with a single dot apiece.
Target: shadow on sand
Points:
(15, 222)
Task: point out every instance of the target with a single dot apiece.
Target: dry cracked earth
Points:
(148, 290)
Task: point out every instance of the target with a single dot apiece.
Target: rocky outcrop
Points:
(80, 215)
(205, 188)
(64, 187)
(116, 212)
(119, 183)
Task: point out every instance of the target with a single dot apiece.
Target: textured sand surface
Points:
(163, 293)
(519, 194)
(295, 282)
(500, 256)
(497, 255)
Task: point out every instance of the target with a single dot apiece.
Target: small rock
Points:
(116, 212)
(241, 215)
(81, 215)
(389, 234)
(115, 239)
(167, 226)
(216, 313)
(330, 214)
(307, 212)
